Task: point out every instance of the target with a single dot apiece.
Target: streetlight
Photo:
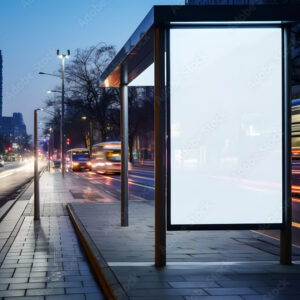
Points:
(53, 91)
(91, 132)
(50, 140)
(36, 169)
(43, 73)
(62, 138)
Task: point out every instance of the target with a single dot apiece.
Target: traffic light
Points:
(68, 141)
(9, 149)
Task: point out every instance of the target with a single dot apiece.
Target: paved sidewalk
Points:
(44, 259)
(201, 265)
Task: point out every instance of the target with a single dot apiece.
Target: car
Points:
(1, 161)
(56, 164)
(106, 157)
(296, 153)
(78, 159)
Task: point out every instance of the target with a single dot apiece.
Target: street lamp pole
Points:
(36, 189)
(90, 132)
(91, 136)
(62, 134)
(49, 149)
(36, 170)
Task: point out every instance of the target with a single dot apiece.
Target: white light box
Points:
(226, 125)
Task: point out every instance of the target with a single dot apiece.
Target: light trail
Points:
(27, 167)
(295, 224)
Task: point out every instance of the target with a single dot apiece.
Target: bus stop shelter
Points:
(222, 117)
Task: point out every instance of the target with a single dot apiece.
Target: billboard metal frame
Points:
(286, 135)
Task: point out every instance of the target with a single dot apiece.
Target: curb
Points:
(111, 287)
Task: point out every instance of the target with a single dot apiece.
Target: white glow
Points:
(226, 136)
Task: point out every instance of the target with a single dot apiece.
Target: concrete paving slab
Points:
(201, 265)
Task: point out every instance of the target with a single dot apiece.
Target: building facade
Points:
(12, 126)
(9, 126)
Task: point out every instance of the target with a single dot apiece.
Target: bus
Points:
(78, 159)
(106, 157)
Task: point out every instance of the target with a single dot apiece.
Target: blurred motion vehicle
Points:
(1, 161)
(296, 153)
(106, 157)
(78, 159)
(56, 163)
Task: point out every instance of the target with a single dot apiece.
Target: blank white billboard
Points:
(226, 125)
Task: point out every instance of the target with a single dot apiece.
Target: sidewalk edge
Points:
(111, 287)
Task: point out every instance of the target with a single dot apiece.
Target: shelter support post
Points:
(286, 232)
(124, 143)
(160, 146)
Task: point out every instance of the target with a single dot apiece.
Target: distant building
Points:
(9, 126)
(12, 126)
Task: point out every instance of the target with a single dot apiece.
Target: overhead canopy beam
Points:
(138, 52)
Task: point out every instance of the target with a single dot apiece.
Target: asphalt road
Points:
(13, 177)
(141, 182)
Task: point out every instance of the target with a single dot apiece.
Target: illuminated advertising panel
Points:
(226, 126)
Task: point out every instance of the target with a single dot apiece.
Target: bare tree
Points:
(83, 94)
(83, 86)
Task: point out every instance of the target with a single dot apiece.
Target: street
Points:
(13, 176)
(141, 182)
(295, 207)
(141, 186)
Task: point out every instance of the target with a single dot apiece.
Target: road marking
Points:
(142, 177)
(7, 173)
(273, 237)
(142, 171)
(145, 186)
(130, 182)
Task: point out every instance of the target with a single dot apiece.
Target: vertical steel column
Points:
(62, 120)
(124, 142)
(36, 170)
(49, 152)
(91, 136)
(286, 232)
(160, 146)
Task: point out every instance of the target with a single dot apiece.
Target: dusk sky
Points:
(32, 30)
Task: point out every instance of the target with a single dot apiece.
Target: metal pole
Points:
(62, 134)
(160, 147)
(124, 142)
(91, 136)
(286, 232)
(49, 151)
(36, 171)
